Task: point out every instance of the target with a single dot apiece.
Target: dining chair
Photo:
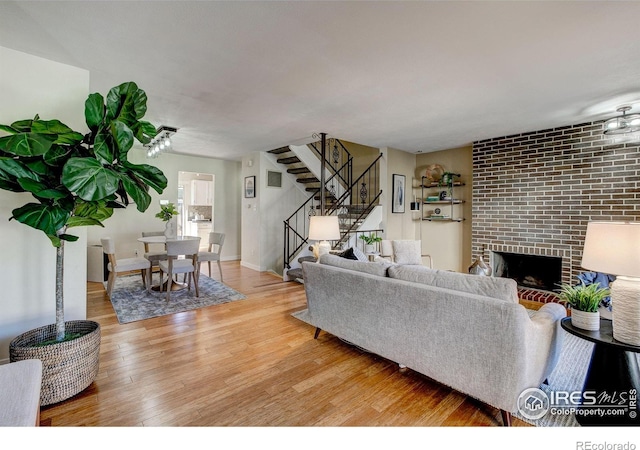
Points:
(216, 240)
(154, 255)
(117, 266)
(182, 257)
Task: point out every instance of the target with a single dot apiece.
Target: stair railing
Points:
(338, 160)
(296, 226)
(356, 202)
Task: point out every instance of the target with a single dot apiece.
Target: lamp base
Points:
(625, 302)
(323, 248)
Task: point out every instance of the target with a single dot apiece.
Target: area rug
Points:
(132, 302)
(568, 375)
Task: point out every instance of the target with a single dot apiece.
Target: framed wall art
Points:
(397, 203)
(250, 186)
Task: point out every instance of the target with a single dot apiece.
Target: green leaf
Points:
(138, 193)
(57, 155)
(89, 179)
(4, 141)
(82, 222)
(72, 138)
(68, 237)
(120, 103)
(9, 129)
(52, 194)
(17, 169)
(55, 240)
(150, 175)
(94, 110)
(144, 131)
(46, 218)
(123, 137)
(139, 103)
(38, 166)
(29, 144)
(31, 185)
(50, 127)
(23, 126)
(102, 149)
(99, 210)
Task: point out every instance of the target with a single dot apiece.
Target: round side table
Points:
(612, 380)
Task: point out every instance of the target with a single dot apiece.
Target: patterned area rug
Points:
(132, 302)
(568, 375)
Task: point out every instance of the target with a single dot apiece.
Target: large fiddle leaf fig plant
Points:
(78, 179)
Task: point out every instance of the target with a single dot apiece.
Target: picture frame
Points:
(399, 193)
(250, 186)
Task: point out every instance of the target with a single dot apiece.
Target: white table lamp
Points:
(613, 248)
(324, 229)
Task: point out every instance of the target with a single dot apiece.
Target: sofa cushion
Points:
(373, 268)
(504, 289)
(407, 252)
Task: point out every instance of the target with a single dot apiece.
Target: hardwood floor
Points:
(250, 363)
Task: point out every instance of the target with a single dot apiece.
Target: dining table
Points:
(175, 285)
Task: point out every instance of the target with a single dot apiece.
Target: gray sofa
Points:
(467, 332)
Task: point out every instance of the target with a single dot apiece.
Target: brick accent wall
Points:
(534, 193)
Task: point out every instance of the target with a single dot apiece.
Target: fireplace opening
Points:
(529, 271)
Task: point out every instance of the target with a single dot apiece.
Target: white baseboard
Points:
(251, 266)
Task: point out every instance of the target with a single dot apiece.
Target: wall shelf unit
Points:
(445, 196)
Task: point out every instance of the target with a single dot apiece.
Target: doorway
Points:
(196, 205)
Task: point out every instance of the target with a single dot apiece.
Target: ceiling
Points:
(240, 76)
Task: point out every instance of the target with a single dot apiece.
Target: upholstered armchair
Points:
(405, 252)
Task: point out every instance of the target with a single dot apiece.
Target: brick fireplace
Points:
(533, 193)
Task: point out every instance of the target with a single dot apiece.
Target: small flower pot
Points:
(589, 321)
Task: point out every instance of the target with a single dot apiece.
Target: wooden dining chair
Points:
(182, 257)
(216, 241)
(117, 266)
(154, 255)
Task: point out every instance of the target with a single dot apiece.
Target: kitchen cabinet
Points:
(201, 192)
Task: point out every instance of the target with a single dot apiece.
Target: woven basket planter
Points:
(67, 367)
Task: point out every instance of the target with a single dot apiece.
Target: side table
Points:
(612, 380)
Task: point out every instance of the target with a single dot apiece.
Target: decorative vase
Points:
(170, 231)
(584, 320)
(369, 248)
(68, 367)
(479, 267)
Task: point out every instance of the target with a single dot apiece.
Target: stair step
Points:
(307, 180)
(299, 170)
(277, 151)
(289, 160)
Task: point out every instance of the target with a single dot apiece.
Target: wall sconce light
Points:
(161, 142)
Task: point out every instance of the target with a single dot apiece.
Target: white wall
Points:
(126, 225)
(30, 85)
(263, 216)
(398, 225)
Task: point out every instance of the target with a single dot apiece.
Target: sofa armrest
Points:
(549, 313)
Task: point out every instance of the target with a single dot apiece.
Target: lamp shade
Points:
(324, 228)
(612, 248)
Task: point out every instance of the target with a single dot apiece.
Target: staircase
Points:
(351, 201)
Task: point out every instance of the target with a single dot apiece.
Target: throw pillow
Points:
(407, 252)
(347, 254)
(360, 256)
